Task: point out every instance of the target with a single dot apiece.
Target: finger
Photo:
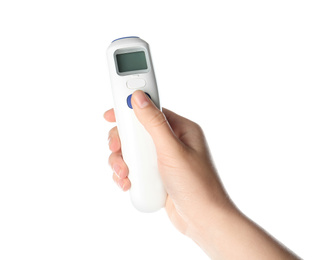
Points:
(118, 165)
(124, 184)
(109, 115)
(114, 140)
(154, 122)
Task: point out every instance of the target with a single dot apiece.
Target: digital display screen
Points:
(131, 61)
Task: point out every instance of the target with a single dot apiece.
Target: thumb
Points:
(154, 121)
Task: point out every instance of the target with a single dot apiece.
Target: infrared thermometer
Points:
(130, 68)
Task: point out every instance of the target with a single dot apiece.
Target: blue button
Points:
(129, 100)
(148, 95)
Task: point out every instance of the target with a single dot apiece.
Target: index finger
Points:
(109, 115)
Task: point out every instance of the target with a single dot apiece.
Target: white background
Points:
(241, 69)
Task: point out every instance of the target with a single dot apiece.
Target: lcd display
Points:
(131, 61)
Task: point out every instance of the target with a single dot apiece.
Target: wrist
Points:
(208, 228)
(229, 234)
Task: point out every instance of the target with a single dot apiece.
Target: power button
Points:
(129, 99)
(136, 83)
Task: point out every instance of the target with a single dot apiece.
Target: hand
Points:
(197, 203)
(184, 163)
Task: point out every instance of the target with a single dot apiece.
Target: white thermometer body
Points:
(130, 68)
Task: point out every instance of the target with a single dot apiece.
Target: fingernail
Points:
(116, 169)
(141, 99)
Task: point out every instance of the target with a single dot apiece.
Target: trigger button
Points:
(148, 95)
(129, 101)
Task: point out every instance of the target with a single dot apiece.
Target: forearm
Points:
(231, 235)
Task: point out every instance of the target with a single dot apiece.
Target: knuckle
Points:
(112, 132)
(198, 128)
(111, 159)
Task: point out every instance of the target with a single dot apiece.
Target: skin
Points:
(197, 203)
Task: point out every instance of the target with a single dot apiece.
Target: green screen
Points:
(131, 61)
